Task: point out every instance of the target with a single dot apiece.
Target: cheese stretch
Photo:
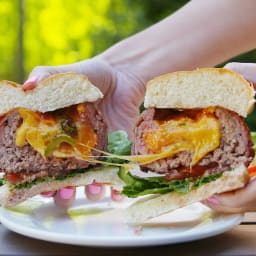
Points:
(198, 137)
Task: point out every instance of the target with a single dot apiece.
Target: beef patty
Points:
(235, 146)
(29, 162)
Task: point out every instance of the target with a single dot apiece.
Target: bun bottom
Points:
(143, 209)
(108, 175)
(153, 206)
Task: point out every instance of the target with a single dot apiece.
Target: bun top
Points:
(55, 92)
(201, 88)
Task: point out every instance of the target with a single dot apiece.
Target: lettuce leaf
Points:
(141, 108)
(253, 136)
(118, 144)
(29, 184)
(136, 186)
(2, 181)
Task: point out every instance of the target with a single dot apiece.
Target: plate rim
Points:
(121, 241)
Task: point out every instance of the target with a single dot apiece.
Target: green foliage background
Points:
(64, 31)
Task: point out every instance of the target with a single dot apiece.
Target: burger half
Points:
(51, 137)
(195, 139)
(190, 143)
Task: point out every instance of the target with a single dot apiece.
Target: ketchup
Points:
(193, 171)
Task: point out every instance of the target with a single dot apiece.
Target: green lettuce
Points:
(253, 136)
(29, 184)
(136, 186)
(118, 144)
(2, 181)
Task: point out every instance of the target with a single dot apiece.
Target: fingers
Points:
(95, 191)
(247, 70)
(217, 205)
(241, 200)
(38, 74)
(65, 197)
(41, 72)
(116, 195)
(98, 71)
(30, 84)
(48, 194)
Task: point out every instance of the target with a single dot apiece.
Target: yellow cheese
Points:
(30, 120)
(39, 130)
(198, 137)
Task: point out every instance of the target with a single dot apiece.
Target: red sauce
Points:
(163, 115)
(13, 177)
(193, 171)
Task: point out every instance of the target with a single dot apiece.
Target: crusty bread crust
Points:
(107, 175)
(153, 206)
(201, 88)
(55, 92)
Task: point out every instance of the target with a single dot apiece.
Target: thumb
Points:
(247, 70)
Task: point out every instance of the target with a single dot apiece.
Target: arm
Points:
(201, 34)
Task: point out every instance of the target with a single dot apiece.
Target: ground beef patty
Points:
(28, 161)
(235, 146)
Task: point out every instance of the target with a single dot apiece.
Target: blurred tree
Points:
(9, 19)
(20, 48)
(125, 18)
(58, 31)
(155, 10)
(64, 31)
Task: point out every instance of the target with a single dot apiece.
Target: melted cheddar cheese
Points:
(199, 136)
(39, 130)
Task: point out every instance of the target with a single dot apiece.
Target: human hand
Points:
(123, 93)
(237, 201)
(247, 70)
(244, 199)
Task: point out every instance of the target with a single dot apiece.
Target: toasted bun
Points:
(201, 88)
(150, 207)
(55, 92)
(108, 175)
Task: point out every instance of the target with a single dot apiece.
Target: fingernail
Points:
(94, 189)
(30, 83)
(66, 193)
(116, 196)
(48, 194)
(213, 200)
(31, 80)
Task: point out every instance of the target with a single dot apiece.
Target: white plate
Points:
(103, 224)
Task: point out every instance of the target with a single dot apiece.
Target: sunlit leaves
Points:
(62, 30)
